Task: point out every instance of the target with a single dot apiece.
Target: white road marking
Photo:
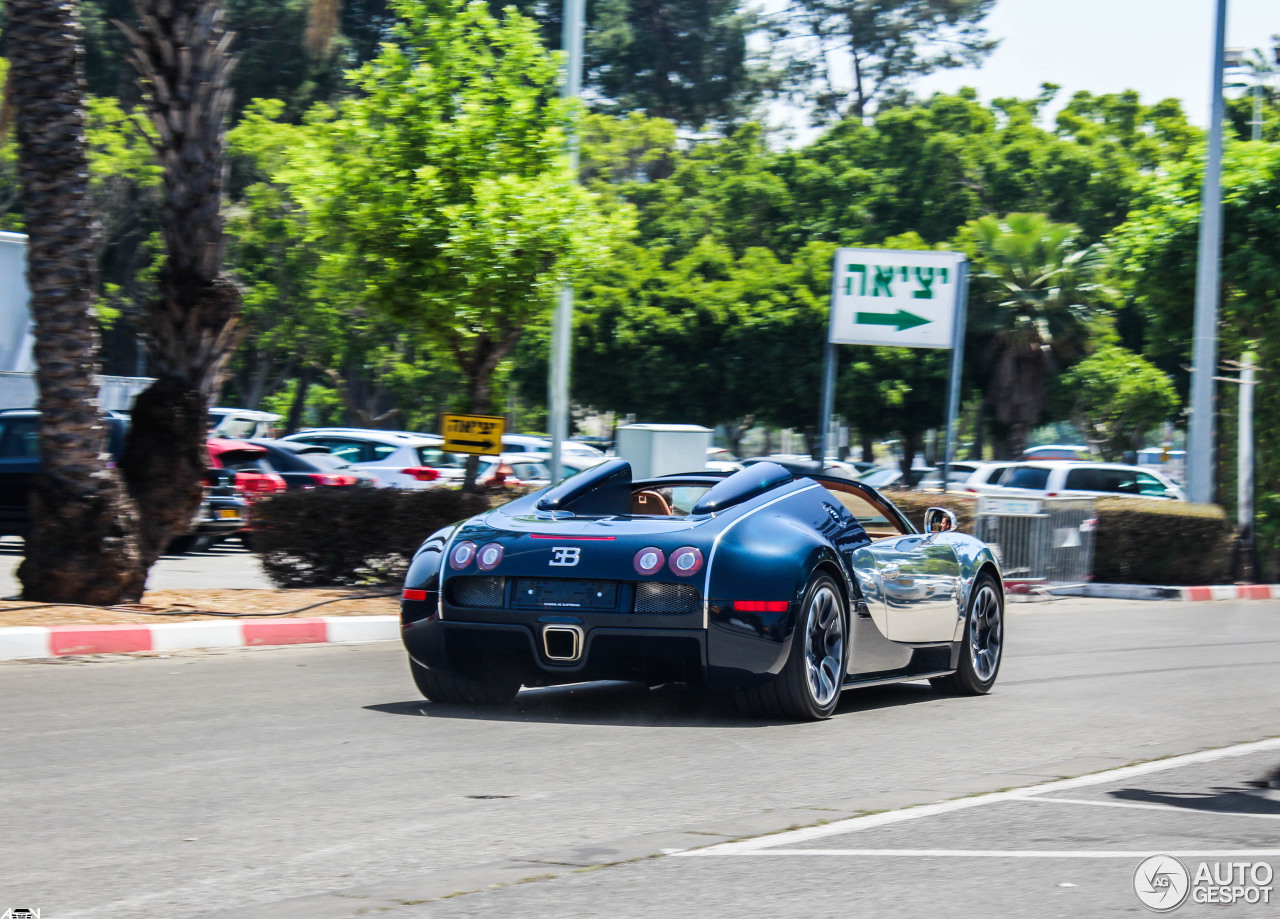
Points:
(872, 821)
(1169, 808)
(1023, 853)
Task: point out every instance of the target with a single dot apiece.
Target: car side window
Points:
(347, 450)
(1150, 485)
(380, 451)
(1036, 477)
(1088, 480)
(20, 439)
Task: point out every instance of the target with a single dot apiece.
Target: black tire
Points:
(443, 687)
(982, 650)
(181, 545)
(808, 688)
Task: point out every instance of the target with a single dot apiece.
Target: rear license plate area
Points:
(565, 595)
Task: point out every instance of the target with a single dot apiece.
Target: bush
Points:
(356, 536)
(914, 504)
(1141, 541)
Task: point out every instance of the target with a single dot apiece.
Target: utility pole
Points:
(1244, 463)
(562, 319)
(1204, 356)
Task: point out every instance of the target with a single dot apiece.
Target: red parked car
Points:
(254, 476)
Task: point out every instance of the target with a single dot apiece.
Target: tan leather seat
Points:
(650, 503)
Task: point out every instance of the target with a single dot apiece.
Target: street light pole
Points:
(562, 318)
(1205, 349)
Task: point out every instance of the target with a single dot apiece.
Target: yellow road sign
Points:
(481, 434)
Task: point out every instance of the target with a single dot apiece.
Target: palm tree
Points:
(181, 51)
(82, 546)
(1037, 288)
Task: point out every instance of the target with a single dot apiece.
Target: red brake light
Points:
(489, 556)
(649, 561)
(686, 561)
(1052, 494)
(422, 473)
(761, 606)
(328, 478)
(414, 594)
(462, 554)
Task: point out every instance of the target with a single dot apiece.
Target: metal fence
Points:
(1039, 540)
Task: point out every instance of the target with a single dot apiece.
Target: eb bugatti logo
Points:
(564, 556)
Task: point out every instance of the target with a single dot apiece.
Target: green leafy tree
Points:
(292, 50)
(445, 186)
(1035, 292)
(887, 44)
(1116, 398)
(1155, 259)
(685, 60)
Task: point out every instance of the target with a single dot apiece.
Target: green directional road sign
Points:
(894, 297)
(899, 320)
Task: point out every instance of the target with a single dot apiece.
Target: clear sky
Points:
(1161, 48)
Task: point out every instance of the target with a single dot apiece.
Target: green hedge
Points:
(1136, 540)
(356, 536)
(1140, 541)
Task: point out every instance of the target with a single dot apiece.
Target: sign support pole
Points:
(957, 370)
(828, 405)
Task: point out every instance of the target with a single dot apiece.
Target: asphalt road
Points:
(312, 782)
(224, 565)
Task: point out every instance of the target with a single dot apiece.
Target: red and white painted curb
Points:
(1233, 592)
(64, 640)
(1153, 592)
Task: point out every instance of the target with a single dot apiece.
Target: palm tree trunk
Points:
(181, 52)
(83, 545)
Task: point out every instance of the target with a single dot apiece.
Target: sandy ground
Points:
(181, 605)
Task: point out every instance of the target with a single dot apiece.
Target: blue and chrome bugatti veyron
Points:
(779, 587)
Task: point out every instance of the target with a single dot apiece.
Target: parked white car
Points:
(399, 459)
(529, 443)
(986, 479)
(1089, 480)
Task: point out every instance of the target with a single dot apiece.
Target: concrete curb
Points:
(1152, 592)
(26, 642)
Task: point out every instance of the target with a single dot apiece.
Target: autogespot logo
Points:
(1161, 883)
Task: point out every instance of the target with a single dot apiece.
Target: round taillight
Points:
(462, 554)
(489, 556)
(686, 561)
(649, 560)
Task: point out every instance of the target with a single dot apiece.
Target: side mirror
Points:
(939, 520)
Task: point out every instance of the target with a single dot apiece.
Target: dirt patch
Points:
(184, 605)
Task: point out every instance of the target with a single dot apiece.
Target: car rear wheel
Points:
(983, 645)
(443, 687)
(808, 687)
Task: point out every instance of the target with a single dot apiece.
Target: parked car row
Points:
(222, 511)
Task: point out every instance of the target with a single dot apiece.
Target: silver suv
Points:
(1092, 480)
